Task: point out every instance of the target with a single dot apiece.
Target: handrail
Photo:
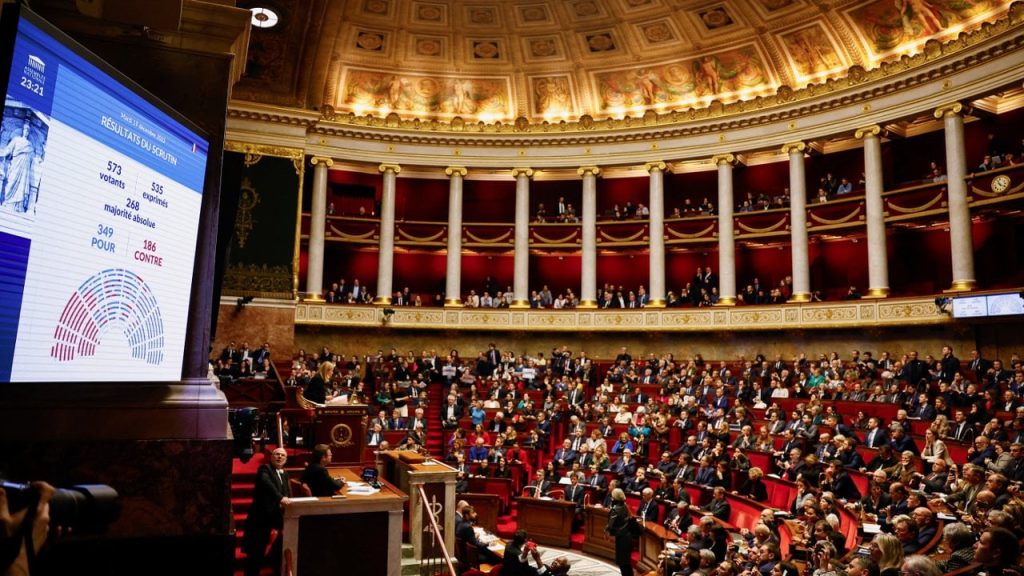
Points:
(436, 530)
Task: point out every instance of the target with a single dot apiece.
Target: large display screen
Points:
(100, 196)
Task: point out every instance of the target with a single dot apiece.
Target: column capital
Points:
(453, 170)
(658, 165)
(517, 172)
(328, 162)
(794, 147)
(951, 109)
(584, 170)
(390, 168)
(727, 158)
(873, 130)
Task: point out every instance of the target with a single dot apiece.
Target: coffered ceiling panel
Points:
(548, 60)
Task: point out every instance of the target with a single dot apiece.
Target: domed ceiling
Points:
(498, 60)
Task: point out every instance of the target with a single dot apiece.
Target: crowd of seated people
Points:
(652, 424)
(236, 363)
(341, 293)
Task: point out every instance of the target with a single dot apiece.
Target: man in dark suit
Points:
(648, 509)
(718, 506)
(574, 492)
(679, 519)
(564, 456)
(962, 429)
(924, 411)
(876, 436)
(838, 482)
(316, 476)
(978, 365)
(949, 365)
(271, 494)
(539, 487)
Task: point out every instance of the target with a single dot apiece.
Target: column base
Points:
(656, 303)
(800, 297)
(520, 304)
(726, 301)
(876, 293)
(453, 303)
(587, 304)
(382, 300)
(962, 286)
(312, 298)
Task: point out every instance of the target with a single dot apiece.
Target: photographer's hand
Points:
(11, 528)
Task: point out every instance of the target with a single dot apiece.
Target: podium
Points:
(652, 542)
(595, 540)
(351, 535)
(343, 428)
(410, 472)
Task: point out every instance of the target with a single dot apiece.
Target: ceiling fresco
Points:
(499, 60)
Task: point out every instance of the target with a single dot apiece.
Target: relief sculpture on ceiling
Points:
(372, 90)
(888, 26)
(731, 72)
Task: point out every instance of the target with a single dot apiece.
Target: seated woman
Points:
(753, 487)
(624, 442)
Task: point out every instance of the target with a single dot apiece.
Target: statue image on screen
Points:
(22, 149)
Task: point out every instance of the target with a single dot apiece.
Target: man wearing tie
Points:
(876, 436)
(574, 493)
(271, 494)
(539, 488)
(648, 510)
(375, 435)
(962, 429)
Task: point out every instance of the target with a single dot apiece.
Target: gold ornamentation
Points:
(723, 159)
(684, 235)
(822, 220)
(772, 228)
(423, 239)
(328, 162)
(495, 240)
(658, 165)
(341, 435)
(390, 168)
(258, 280)
(1001, 183)
(453, 170)
(352, 237)
(254, 153)
(248, 198)
(517, 172)
(921, 208)
(954, 109)
(550, 241)
(794, 147)
(626, 239)
(873, 130)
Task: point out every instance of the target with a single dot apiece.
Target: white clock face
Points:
(1000, 183)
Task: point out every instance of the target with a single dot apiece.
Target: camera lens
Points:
(87, 508)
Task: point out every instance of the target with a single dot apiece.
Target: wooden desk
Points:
(652, 543)
(547, 521)
(487, 507)
(318, 532)
(595, 540)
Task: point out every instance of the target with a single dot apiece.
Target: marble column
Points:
(798, 222)
(453, 274)
(960, 242)
(878, 256)
(588, 282)
(656, 231)
(317, 224)
(521, 263)
(386, 254)
(726, 237)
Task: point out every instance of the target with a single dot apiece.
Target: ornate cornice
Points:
(832, 315)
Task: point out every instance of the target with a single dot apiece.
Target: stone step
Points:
(407, 551)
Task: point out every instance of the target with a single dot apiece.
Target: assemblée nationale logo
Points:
(35, 69)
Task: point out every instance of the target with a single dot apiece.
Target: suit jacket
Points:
(963, 431)
(875, 438)
(843, 487)
(676, 522)
(539, 490)
(718, 508)
(265, 512)
(925, 412)
(575, 494)
(320, 481)
(647, 511)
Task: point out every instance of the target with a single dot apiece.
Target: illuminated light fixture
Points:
(264, 17)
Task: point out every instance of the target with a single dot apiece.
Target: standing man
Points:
(269, 498)
(619, 520)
